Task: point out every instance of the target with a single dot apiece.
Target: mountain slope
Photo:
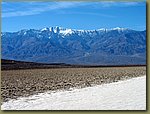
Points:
(60, 45)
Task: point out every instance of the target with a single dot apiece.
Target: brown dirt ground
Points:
(17, 83)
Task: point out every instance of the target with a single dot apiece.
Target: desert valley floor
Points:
(26, 83)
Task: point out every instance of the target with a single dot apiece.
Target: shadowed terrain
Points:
(15, 65)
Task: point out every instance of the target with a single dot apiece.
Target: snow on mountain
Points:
(118, 28)
(57, 44)
(66, 31)
(63, 31)
(44, 29)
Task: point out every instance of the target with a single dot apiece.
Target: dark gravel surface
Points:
(17, 83)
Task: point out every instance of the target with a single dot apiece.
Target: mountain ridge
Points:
(101, 46)
(78, 30)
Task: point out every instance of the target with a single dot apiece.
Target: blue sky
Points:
(75, 15)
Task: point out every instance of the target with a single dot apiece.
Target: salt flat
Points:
(123, 95)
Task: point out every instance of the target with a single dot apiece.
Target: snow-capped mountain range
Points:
(62, 45)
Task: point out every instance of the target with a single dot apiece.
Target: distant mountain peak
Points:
(57, 44)
(57, 28)
(45, 29)
(119, 29)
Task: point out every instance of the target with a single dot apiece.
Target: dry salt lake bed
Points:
(103, 88)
